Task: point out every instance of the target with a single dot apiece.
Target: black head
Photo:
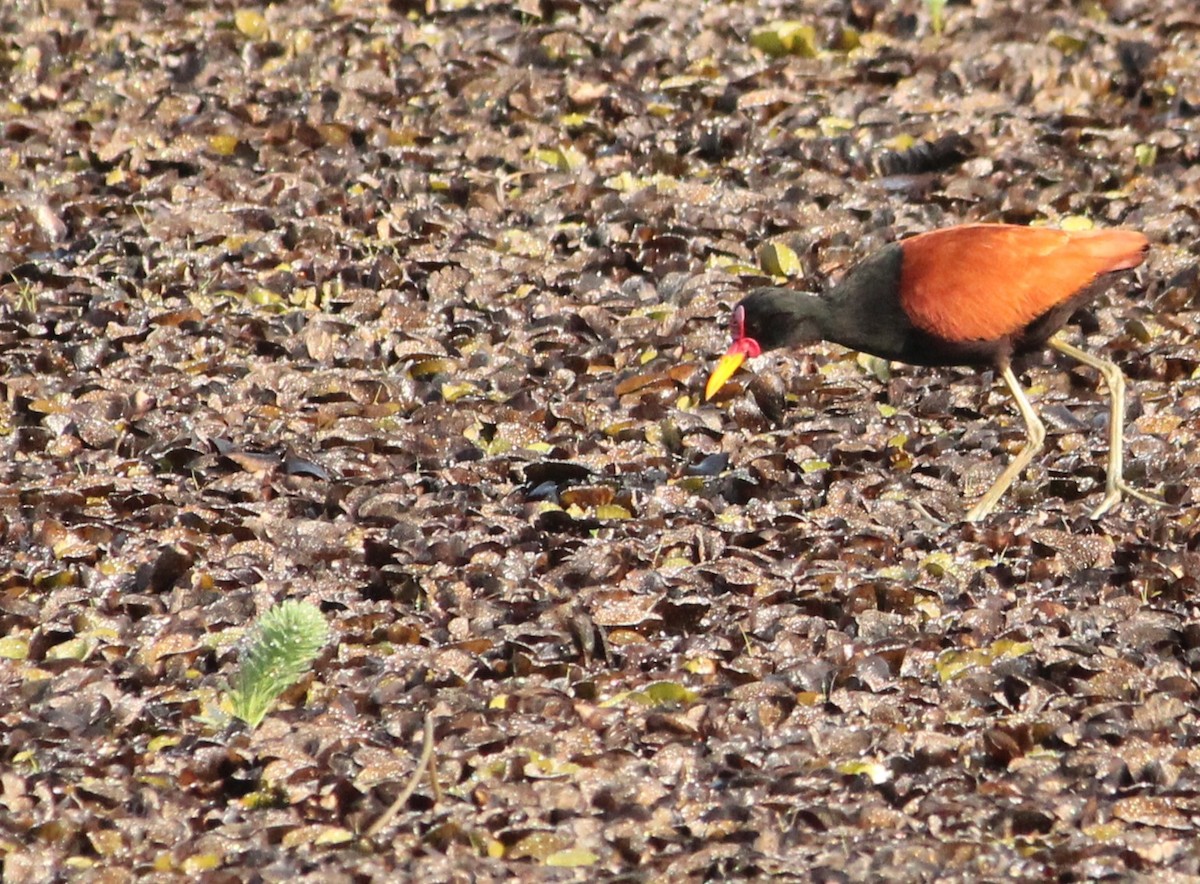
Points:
(777, 317)
(765, 319)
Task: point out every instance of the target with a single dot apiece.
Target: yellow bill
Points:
(726, 366)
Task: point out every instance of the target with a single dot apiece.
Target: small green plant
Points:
(284, 643)
(937, 18)
(27, 295)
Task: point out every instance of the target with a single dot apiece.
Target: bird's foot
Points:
(978, 512)
(1117, 488)
(917, 505)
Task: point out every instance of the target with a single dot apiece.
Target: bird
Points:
(977, 295)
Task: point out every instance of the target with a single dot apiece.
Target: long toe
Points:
(1110, 500)
(1119, 489)
(1140, 495)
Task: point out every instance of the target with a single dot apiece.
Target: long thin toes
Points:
(1117, 491)
(1109, 501)
(1140, 495)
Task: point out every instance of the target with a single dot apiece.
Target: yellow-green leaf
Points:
(223, 144)
(880, 369)
(333, 835)
(848, 39)
(454, 392)
(872, 770)
(779, 259)
(201, 862)
(1067, 44)
(430, 367)
(564, 159)
(571, 858)
(785, 38)
(613, 511)
(537, 845)
(161, 742)
(71, 649)
(542, 767)
(14, 647)
(669, 693)
(832, 126)
(261, 297)
(251, 22)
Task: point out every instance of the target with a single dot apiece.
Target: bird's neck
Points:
(804, 319)
(864, 311)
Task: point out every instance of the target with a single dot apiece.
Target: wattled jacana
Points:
(974, 295)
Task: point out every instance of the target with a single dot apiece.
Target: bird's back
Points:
(983, 282)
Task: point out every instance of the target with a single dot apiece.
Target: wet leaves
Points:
(406, 312)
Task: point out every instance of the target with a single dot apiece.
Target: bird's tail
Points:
(1113, 249)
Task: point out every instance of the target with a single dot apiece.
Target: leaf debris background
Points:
(403, 309)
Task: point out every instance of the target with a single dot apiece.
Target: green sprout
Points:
(27, 295)
(937, 19)
(285, 642)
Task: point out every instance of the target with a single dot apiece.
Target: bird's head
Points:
(767, 318)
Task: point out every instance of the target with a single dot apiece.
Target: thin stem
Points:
(422, 763)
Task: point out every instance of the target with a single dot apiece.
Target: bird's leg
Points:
(1034, 429)
(1115, 484)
